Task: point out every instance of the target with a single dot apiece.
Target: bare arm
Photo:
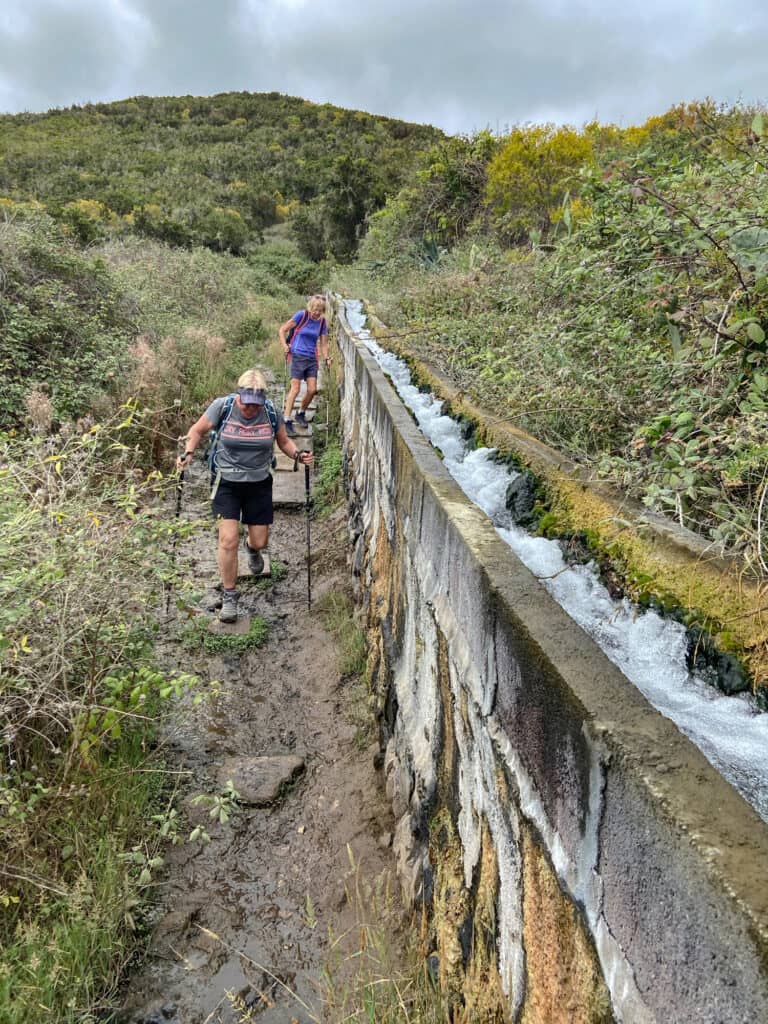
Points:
(283, 331)
(195, 434)
(286, 445)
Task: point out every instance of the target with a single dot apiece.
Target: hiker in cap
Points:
(301, 336)
(246, 426)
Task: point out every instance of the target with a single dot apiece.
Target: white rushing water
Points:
(649, 649)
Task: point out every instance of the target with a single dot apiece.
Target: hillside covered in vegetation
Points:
(606, 290)
(213, 171)
(108, 352)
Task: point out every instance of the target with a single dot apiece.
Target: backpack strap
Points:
(272, 415)
(226, 410)
(213, 436)
(299, 326)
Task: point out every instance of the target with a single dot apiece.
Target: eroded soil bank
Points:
(242, 929)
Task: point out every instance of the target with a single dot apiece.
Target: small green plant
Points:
(278, 571)
(222, 807)
(328, 482)
(168, 825)
(338, 613)
(145, 862)
(310, 917)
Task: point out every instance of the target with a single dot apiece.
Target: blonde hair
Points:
(315, 301)
(252, 379)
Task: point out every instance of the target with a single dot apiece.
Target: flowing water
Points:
(649, 650)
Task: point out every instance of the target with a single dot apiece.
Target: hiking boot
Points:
(289, 429)
(228, 611)
(255, 560)
(301, 418)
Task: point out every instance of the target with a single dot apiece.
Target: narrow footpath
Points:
(242, 929)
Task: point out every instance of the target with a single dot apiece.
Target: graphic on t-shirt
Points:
(238, 434)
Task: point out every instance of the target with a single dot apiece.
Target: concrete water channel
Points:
(582, 859)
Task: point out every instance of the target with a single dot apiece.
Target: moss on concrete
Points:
(564, 984)
(660, 565)
(464, 927)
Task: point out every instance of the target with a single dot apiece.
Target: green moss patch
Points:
(197, 636)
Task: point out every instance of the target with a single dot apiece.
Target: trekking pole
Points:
(285, 377)
(309, 564)
(327, 399)
(175, 541)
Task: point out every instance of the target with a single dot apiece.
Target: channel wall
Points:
(577, 858)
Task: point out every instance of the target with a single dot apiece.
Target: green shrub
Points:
(635, 340)
(83, 564)
(283, 262)
(65, 330)
(249, 330)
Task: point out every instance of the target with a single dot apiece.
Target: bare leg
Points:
(258, 536)
(290, 398)
(310, 393)
(229, 537)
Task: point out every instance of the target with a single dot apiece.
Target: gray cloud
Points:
(463, 66)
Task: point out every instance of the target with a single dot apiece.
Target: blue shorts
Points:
(303, 367)
(246, 501)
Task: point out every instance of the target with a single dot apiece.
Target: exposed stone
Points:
(718, 668)
(259, 780)
(483, 997)
(521, 497)
(398, 782)
(410, 856)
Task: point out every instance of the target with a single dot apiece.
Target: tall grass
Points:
(378, 971)
(83, 564)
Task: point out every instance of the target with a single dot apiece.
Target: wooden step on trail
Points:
(284, 464)
(309, 413)
(243, 569)
(288, 487)
(302, 429)
(239, 627)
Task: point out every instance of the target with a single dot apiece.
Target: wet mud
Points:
(241, 931)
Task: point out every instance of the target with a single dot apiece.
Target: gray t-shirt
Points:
(245, 444)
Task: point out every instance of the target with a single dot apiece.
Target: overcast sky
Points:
(460, 65)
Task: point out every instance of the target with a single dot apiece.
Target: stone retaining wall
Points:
(580, 860)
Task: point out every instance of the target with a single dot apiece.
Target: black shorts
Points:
(248, 502)
(303, 367)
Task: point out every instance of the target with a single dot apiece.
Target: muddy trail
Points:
(242, 928)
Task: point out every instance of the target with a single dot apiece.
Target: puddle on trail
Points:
(244, 921)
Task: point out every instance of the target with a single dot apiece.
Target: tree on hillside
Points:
(452, 184)
(207, 170)
(530, 175)
(351, 195)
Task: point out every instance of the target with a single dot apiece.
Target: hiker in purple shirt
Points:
(309, 330)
